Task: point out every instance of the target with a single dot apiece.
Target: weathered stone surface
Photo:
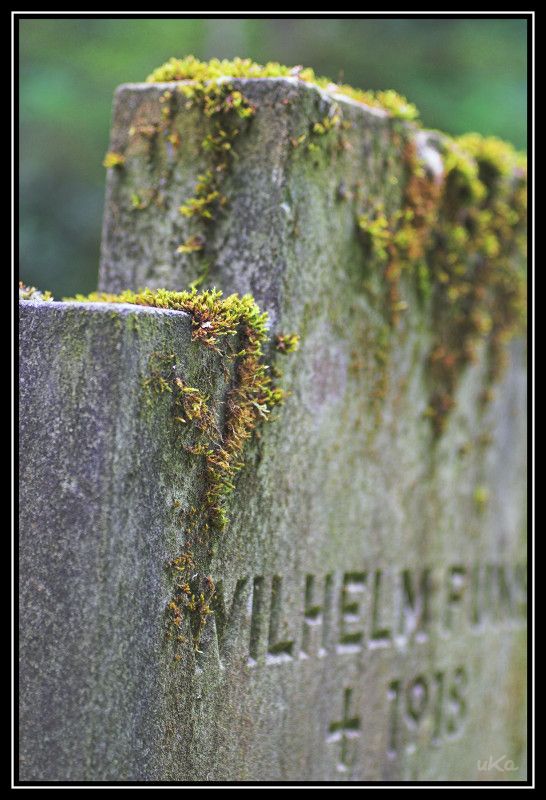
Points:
(370, 586)
(316, 510)
(97, 482)
(286, 222)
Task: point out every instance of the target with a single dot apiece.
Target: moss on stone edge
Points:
(202, 72)
(250, 400)
(478, 263)
(461, 238)
(31, 293)
(251, 397)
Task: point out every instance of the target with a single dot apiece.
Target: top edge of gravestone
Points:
(429, 142)
(120, 309)
(261, 85)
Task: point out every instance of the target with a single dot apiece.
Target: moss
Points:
(31, 293)
(327, 124)
(112, 159)
(317, 136)
(193, 244)
(287, 343)
(190, 601)
(461, 240)
(144, 198)
(398, 243)
(226, 109)
(477, 262)
(215, 321)
(194, 405)
(250, 399)
(203, 72)
(376, 233)
(481, 498)
(157, 382)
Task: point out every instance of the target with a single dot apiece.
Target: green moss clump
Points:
(481, 498)
(327, 124)
(157, 383)
(189, 601)
(203, 72)
(112, 159)
(251, 398)
(376, 233)
(193, 244)
(287, 342)
(31, 293)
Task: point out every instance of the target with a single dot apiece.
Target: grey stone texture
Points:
(369, 616)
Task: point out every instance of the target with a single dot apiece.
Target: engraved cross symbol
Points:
(344, 732)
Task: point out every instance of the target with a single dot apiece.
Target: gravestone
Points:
(367, 621)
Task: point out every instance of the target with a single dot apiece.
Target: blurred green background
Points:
(463, 75)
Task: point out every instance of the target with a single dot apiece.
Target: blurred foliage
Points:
(463, 75)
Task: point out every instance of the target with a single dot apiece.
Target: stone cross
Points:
(362, 614)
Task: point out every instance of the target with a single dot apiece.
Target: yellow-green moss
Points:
(481, 498)
(287, 342)
(31, 293)
(156, 383)
(250, 400)
(188, 602)
(202, 72)
(112, 159)
(251, 397)
(227, 110)
(477, 262)
(461, 238)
